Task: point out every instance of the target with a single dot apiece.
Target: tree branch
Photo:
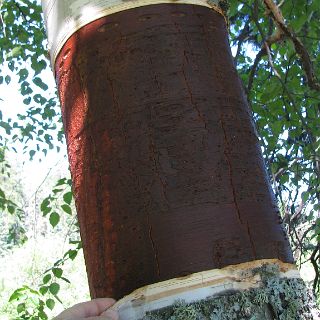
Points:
(313, 260)
(283, 30)
(254, 68)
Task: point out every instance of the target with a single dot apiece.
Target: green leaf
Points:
(38, 98)
(54, 288)
(6, 126)
(305, 196)
(2, 195)
(15, 52)
(38, 82)
(46, 278)
(38, 66)
(31, 154)
(65, 279)
(72, 254)
(10, 209)
(42, 315)
(27, 101)
(43, 290)
(23, 74)
(25, 88)
(54, 218)
(44, 207)
(67, 197)
(50, 303)
(16, 295)
(7, 79)
(21, 307)
(66, 208)
(57, 272)
(61, 182)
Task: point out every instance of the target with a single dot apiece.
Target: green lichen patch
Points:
(276, 298)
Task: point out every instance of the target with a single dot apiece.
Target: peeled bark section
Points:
(261, 289)
(167, 170)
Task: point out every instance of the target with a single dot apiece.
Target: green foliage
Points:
(286, 111)
(52, 203)
(12, 215)
(42, 294)
(29, 304)
(34, 303)
(23, 52)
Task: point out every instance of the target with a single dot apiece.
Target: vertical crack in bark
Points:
(114, 97)
(251, 242)
(154, 248)
(163, 185)
(226, 154)
(194, 104)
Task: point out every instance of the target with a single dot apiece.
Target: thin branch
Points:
(254, 67)
(2, 23)
(313, 260)
(243, 36)
(20, 10)
(283, 30)
(276, 73)
(273, 38)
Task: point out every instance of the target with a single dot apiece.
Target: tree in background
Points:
(12, 198)
(279, 77)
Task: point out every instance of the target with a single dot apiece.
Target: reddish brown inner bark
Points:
(166, 166)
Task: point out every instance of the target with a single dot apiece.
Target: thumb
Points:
(110, 314)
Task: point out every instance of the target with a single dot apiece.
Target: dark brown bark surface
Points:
(166, 166)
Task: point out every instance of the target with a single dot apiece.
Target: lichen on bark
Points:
(276, 298)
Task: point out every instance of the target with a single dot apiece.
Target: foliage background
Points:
(276, 52)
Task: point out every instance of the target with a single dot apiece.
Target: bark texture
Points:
(166, 165)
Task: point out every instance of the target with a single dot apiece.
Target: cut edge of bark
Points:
(61, 24)
(151, 301)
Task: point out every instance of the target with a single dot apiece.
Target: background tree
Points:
(276, 51)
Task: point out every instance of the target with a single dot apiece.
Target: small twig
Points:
(254, 67)
(273, 38)
(276, 73)
(20, 10)
(69, 230)
(2, 23)
(243, 36)
(313, 260)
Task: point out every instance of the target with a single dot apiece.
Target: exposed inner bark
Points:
(285, 299)
(166, 166)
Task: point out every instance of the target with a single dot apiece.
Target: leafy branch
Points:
(283, 31)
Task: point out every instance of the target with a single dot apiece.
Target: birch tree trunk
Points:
(167, 171)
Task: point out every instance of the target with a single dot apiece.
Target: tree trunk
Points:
(167, 170)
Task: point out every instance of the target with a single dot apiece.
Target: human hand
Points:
(97, 309)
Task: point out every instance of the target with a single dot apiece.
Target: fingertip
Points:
(111, 314)
(103, 304)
